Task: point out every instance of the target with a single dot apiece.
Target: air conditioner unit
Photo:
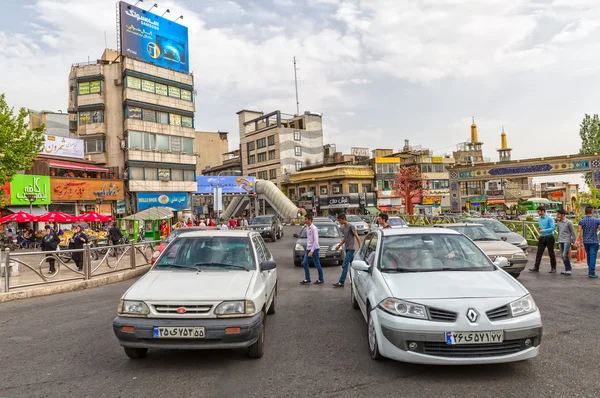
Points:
(336, 189)
(118, 82)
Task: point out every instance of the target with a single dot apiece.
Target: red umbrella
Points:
(57, 216)
(19, 216)
(92, 216)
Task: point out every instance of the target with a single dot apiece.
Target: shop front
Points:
(76, 196)
(177, 201)
(351, 203)
(29, 193)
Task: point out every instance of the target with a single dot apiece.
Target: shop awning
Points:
(36, 210)
(372, 210)
(153, 213)
(495, 201)
(57, 164)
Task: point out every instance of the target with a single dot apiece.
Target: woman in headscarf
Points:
(164, 229)
(77, 243)
(50, 243)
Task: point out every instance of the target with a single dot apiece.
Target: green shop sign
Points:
(21, 185)
(478, 199)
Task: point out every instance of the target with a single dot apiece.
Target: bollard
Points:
(132, 255)
(6, 265)
(87, 262)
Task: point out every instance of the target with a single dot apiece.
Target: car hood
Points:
(355, 223)
(259, 226)
(497, 248)
(511, 237)
(181, 285)
(448, 284)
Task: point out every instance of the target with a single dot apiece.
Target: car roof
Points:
(218, 233)
(416, 231)
(459, 224)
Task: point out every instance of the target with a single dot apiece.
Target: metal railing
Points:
(95, 261)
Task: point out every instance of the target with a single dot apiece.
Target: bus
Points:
(534, 203)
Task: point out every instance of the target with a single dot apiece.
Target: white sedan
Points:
(431, 296)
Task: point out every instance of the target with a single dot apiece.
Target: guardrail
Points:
(110, 259)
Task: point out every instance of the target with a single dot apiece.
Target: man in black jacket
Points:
(50, 242)
(115, 234)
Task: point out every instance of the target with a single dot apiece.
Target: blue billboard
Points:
(228, 184)
(174, 200)
(153, 39)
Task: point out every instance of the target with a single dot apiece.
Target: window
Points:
(437, 184)
(298, 165)
(94, 146)
(272, 154)
(297, 136)
(189, 175)
(135, 139)
(273, 174)
(261, 157)
(149, 116)
(94, 87)
(176, 175)
(262, 175)
(148, 141)
(90, 117)
(161, 89)
(175, 144)
(162, 142)
(148, 86)
(187, 121)
(175, 119)
(251, 159)
(84, 88)
(271, 140)
(188, 145)
(261, 143)
(186, 95)
(134, 112)
(251, 174)
(250, 146)
(371, 250)
(162, 117)
(383, 168)
(336, 188)
(366, 188)
(352, 188)
(298, 150)
(151, 173)
(136, 173)
(174, 92)
(134, 82)
(323, 189)
(433, 168)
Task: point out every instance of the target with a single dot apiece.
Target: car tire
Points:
(272, 309)
(135, 353)
(516, 275)
(353, 298)
(257, 349)
(281, 233)
(372, 337)
(297, 263)
(273, 237)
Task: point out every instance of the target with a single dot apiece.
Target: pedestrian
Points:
(232, 223)
(546, 229)
(49, 244)
(210, 222)
(77, 243)
(312, 250)
(348, 235)
(244, 222)
(164, 229)
(222, 225)
(566, 237)
(382, 220)
(189, 222)
(588, 227)
(238, 223)
(202, 224)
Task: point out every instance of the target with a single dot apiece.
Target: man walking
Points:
(566, 237)
(115, 234)
(348, 235)
(546, 240)
(312, 251)
(588, 227)
(382, 220)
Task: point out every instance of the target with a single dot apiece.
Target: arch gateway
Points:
(461, 175)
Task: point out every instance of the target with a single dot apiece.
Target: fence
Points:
(96, 261)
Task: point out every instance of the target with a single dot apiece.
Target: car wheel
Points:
(272, 307)
(135, 353)
(273, 237)
(372, 337)
(297, 263)
(281, 233)
(353, 298)
(516, 275)
(257, 349)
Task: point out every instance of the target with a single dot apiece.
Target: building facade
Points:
(212, 149)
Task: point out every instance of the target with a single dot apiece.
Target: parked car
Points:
(361, 226)
(431, 296)
(175, 233)
(205, 291)
(329, 237)
(492, 245)
(501, 230)
(268, 227)
(393, 221)
(323, 219)
(530, 213)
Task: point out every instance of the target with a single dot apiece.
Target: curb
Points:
(73, 286)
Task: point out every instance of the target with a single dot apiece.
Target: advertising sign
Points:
(62, 146)
(22, 184)
(437, 159)
(174, 200)
(85, 189)
(431, 200)
(153, 39)
(228, 184)
(362, 152)
(121, 207)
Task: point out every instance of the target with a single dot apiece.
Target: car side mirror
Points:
(359, 265)
(268, 265)
(501, 262)
(295, 235)
(503, 238)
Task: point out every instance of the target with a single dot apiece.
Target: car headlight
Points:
(299, 247)
(524, 305)
(403, 308)
(334, 247)
(519, 254)
(133, 308)
(156, 254)
(235, 308)
(266, 228)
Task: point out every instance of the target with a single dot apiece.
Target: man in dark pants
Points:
(115, 234)
(49, 244)
(588, 228)
(348, 235)
(546, 228)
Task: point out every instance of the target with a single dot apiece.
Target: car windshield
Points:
(496, 226)
(395, 222)
(329, 230)
(431, 252)
(476, 232)
(173, 235)
(208, 253)
(261, 220)
(354, 219)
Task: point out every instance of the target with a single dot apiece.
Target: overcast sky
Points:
(380, 71)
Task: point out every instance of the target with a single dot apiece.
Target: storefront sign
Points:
(477, 199)
(431, 200)
(174, 200)
(83, 189)
(437, 159)
(339, 201)
(387, 160)
(347, 200)
(62, 146)
(22, 184)
(384, 202)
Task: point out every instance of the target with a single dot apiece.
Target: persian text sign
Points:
(22, 184)
(62, 146)
(174, 200)
(228, 184)
(86, 189)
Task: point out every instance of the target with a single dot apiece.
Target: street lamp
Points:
(31, 197)
(217, 191)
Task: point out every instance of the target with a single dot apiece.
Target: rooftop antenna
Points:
(139, 1)
(155, 5)
(296, 84)
(168, 11)
(179, 17)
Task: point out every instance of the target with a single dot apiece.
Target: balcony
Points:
(160, 157)
(149, 127)
(98, 157)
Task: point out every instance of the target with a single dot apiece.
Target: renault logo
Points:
(472, 315)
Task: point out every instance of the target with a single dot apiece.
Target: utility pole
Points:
(296, 83)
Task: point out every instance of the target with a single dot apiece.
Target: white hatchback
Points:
(431, 296)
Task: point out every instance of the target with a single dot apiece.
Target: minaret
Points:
(475, 144)
(504, 151)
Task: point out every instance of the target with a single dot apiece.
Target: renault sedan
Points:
(431, 296)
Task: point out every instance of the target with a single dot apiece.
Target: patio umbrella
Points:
(19, 216)
(92, 216)
(57, 216)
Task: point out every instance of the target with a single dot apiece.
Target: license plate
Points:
(474, 337)
(178, 332)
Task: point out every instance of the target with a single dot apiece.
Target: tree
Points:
(408, 185)
(19, 144)
(589, 131)
(585, 199)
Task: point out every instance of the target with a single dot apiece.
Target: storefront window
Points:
(148, 86)
(161, 89)
(174, 92)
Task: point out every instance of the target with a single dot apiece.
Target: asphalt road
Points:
(316, 345)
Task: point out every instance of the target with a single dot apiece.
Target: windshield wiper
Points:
(179, 266)
(485, 239)
(398, 270)
(223, 265)
(452, 269)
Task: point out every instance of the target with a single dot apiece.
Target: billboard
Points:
(62, 146)
(153, 39)
(228, 184)
(85, 189)
(23, 184)
(174, 200)
(361, 152)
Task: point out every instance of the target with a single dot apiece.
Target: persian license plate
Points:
(474, 337)
(178, 332)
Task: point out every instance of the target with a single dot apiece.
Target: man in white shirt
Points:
(312, 251)
(223, 226)
(202, 224)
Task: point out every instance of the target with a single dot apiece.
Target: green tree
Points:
(19, 144)
(589, 131)
(591, 198)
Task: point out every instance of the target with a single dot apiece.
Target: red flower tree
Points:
(408, 185)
